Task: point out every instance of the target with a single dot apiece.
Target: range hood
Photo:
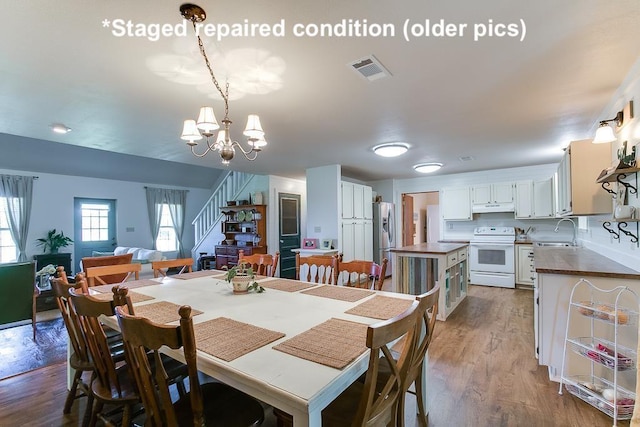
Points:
(493, 207)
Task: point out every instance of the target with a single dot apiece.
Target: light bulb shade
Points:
(254, 128)
(392, 149)
(190, 131)
(207, 122)
(604, 134)
(427, 167)
(257, 144)
(220, 140)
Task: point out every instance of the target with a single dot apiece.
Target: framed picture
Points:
(310, 243)
(326, 244)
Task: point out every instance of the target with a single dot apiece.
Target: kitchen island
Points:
(419, 268)
(558, 269)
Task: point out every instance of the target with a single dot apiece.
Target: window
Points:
(8, 248)
(166, 240)
(95, 222)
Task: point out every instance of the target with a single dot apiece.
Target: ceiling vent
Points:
(370, 68)
(466, 158)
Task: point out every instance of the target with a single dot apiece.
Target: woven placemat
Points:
(201, 273)
(380, 307)
(334, 343)
(135, 297)
(228, 339)
(130, 285)
(162, 312)
(339, 292)
(287, 285)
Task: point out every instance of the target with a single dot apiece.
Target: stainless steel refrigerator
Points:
(384, 233)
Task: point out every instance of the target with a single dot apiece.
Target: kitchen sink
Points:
(554, 244)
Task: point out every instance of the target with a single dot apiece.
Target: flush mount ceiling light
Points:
(427, 167)
(60, 128)
(391, 149)
(207, 124)
(605, 133)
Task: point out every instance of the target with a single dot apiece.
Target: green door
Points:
(289, 208)
(94, 227)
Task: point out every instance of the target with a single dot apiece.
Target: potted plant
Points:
(242, 278)
(53, 242)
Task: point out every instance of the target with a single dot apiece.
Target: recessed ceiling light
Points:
(60, 128)
(391, 149)
(427, 167)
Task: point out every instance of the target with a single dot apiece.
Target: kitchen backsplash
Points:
(541, 229)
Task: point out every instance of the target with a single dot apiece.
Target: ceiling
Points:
(503, 101)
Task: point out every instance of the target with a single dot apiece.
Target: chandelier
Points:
(207, 124)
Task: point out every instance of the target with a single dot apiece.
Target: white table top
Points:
(297, 386)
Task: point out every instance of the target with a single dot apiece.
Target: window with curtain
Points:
(8, 248)
(167, 239)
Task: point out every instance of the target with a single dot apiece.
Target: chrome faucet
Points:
(574, 242)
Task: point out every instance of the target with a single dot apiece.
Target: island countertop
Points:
(578, 261)
(431, 248)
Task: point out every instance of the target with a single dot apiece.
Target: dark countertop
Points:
(431, 248)
(578, 261)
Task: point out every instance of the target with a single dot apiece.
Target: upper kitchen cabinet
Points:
(357, 201)
(455, 203)
(578, 192)
(492, 193)
(534, 199)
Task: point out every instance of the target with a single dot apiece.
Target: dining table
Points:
(296, 346)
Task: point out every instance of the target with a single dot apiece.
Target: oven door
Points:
(492, 257)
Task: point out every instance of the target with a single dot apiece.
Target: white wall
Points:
(323, 202)
(596, 237)
(53, 207)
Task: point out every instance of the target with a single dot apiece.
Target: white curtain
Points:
(18, 192)
(177, 201)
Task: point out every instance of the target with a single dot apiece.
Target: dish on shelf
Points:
(602, 352)
(241, 216)
(248, 216)
(592, 389)
(607, 312)
(230, 241)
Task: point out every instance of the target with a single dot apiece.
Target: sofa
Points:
(138, 255)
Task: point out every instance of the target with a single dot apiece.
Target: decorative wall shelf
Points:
(618, 175)
(622, 226)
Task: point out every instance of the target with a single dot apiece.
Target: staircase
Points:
(210, 215)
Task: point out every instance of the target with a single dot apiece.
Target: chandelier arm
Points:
(246, 152)
(209, 148)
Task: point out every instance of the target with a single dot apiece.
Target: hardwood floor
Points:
(481, 373)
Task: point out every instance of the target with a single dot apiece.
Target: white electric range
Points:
(492, 257)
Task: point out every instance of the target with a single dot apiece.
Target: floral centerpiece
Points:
(242, 278)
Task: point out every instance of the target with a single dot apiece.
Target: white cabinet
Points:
(357, 240)
(543, 205)
(455, 203)
(534, 199)
(524, 199)
(501, 192)
(578, 192)
(357, 201)
(525, 271)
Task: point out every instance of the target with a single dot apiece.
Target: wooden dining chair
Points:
(262, 264)
(365, 403)
(362, 274)
(214, 403)
(112, 383)
(101, 261)
(160, 268)
(103, 275)
(426, 320)
(79, 360)
(317, 269)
